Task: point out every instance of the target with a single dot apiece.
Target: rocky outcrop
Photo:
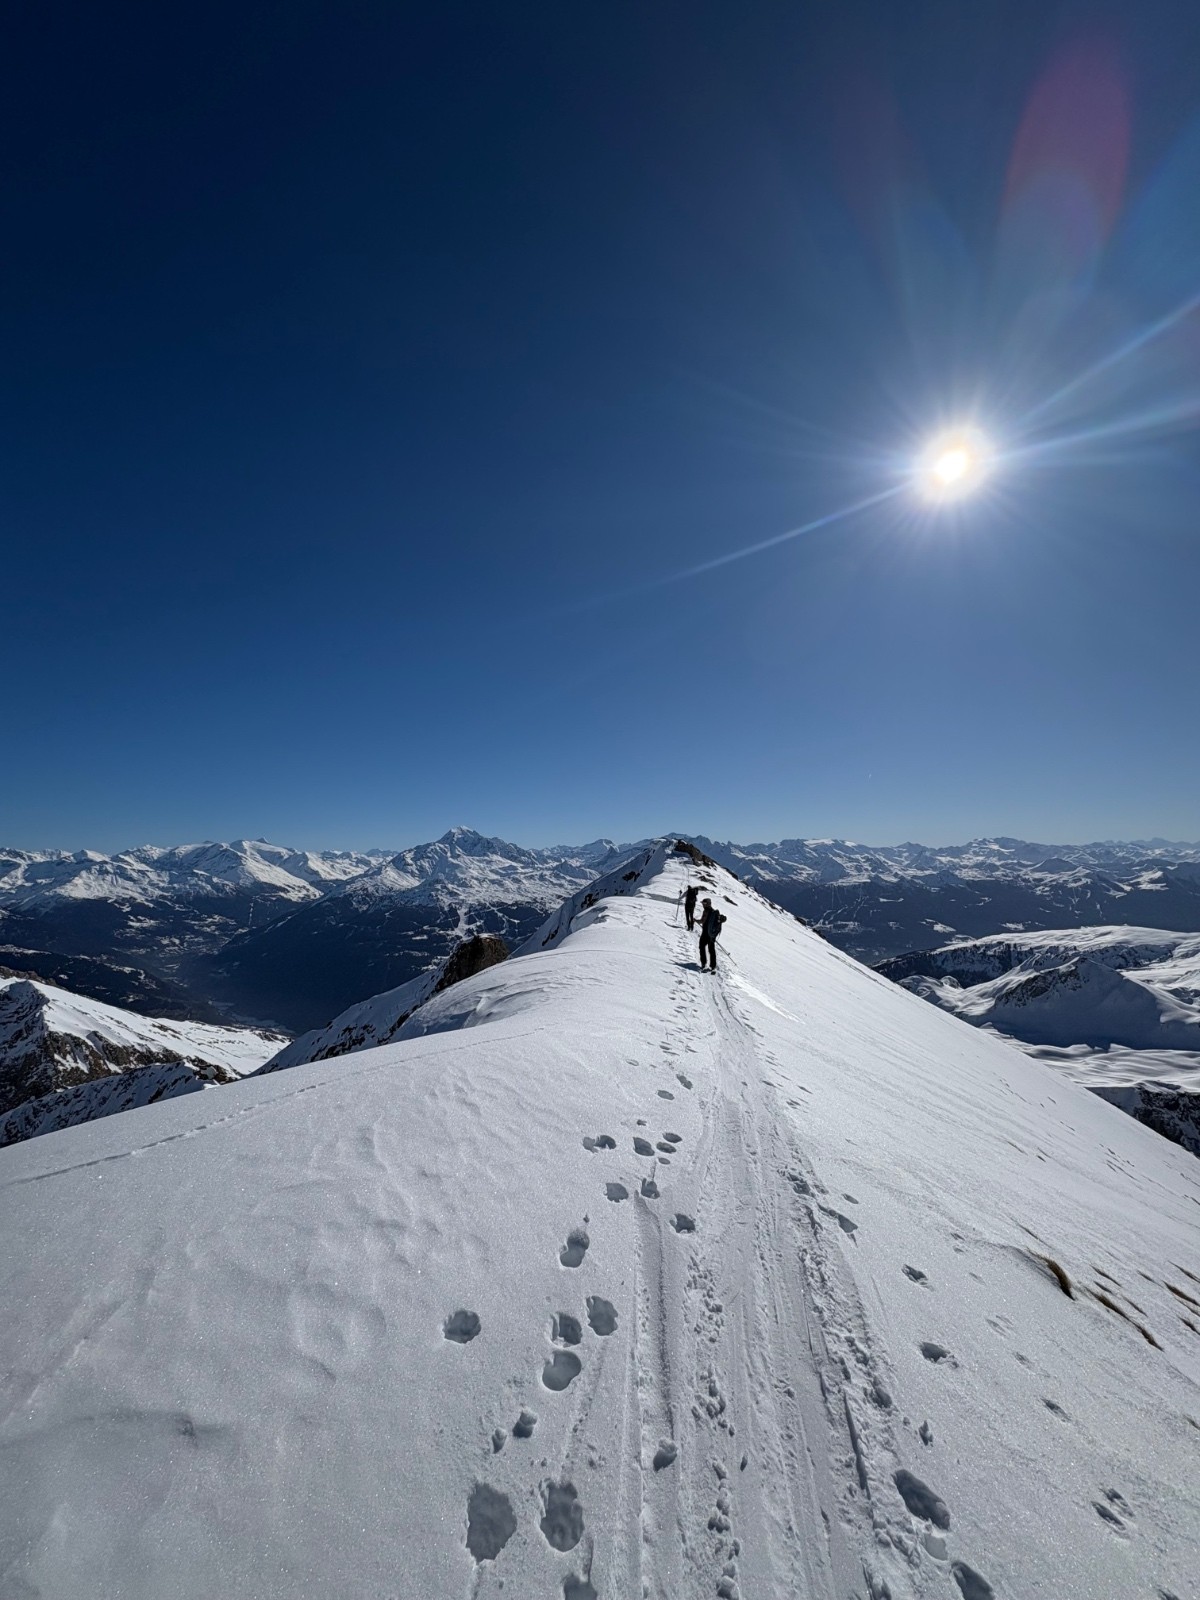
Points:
(473, 955)
(1173, 1112)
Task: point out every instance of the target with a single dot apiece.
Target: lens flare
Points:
(952, 465)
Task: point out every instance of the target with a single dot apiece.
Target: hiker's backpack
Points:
(720, 923)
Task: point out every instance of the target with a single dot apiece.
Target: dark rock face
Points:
(476, 954)
(36, 1060)
(1175, 1113)
(107, 1095)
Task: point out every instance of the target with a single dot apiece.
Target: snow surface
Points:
(422, 1321)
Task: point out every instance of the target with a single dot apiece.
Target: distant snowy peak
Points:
(51, 1040)
(466, 867)
(148, 873)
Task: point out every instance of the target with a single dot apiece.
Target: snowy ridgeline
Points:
(605, 1278)
(1116, 1009)
(65, 1059)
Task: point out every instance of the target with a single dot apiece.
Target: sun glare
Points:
(954, 464)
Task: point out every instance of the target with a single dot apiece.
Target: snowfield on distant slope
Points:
(610, 1280)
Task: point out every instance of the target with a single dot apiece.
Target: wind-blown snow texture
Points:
(611, 1278)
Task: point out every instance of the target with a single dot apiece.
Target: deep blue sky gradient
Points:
(366, 365)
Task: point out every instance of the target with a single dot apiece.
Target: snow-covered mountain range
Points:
(1112, 1008)
(269, 934)
(65, 1058)
(609, 1278)
(277, 936)
(880, 902)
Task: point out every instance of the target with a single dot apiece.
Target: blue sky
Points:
(372, 373)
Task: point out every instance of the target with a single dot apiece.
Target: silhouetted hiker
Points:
(711, 923)
(689, 905)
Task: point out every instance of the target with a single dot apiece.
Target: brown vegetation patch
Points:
(1058, 1273)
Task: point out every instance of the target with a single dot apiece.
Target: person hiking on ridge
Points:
(689, 905)
(711, 923)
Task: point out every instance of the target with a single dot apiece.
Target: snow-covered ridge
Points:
(52, 1040)
(620, 1279)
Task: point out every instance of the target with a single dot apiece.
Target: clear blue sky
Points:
(366, 365)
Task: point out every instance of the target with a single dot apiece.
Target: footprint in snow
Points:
(561, 1370)
(665, 1455)
(490, 1522)
(562, 1515)
(665, 1094)
(682, 1223)
(602, 1141)
(616, 1191)
(460, 1327)
(667, 1149)
(601, 1315)
(921, 1500)
(685, 1081)
(1108, 1514)
(936, 1352)
(673, 1138)
(579, 1589)
(1053, 1406)
(916, 1275)
(643, 1147)
(972, 1585)
(650, 1190)
(573, 1252)
(843, 1222)
(524, 1425)
(565, 1329)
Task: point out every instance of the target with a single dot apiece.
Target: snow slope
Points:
(52, 1040)
(611, 1279)
(1116, 1009)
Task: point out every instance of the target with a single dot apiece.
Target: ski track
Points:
(757, 1408)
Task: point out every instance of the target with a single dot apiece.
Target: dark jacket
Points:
(710, 925)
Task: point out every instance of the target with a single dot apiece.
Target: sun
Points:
(953, 465)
